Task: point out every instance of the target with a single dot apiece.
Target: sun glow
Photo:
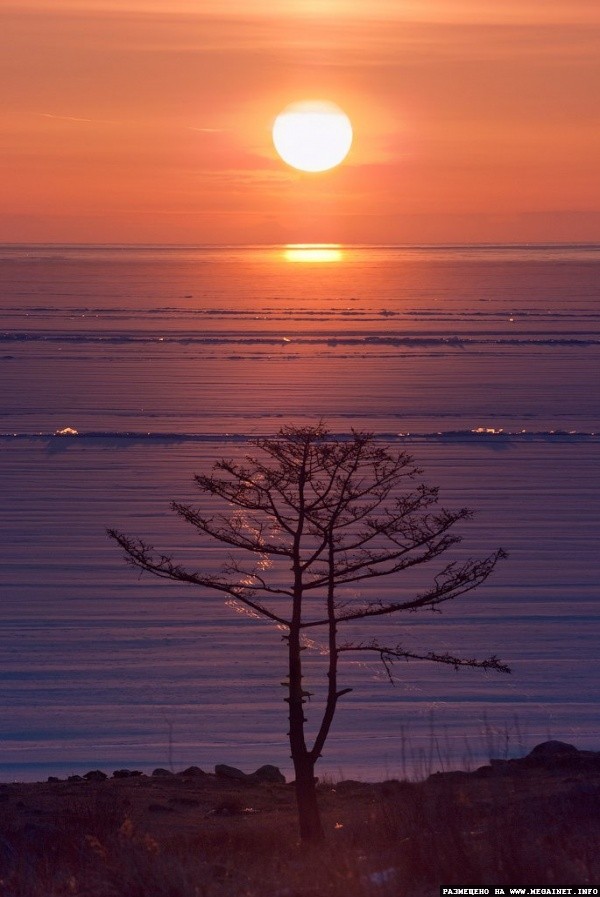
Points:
(313, 252)
(313, 135)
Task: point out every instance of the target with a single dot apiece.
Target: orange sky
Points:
(150, 121)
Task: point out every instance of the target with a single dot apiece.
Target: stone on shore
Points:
(550, 750)
(192, 771)
(222, 771)
(266, 773)
(95, 775)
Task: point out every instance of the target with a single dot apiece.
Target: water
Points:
(482, 361)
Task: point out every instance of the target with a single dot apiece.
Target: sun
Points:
(313, 135)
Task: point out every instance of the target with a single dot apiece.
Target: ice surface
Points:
(481, 361)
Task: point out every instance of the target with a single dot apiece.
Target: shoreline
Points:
(530, 820)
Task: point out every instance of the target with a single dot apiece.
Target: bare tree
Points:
(334, 512)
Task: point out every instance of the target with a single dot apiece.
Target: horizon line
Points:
(278, 245)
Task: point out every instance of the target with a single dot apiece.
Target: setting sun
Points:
(313, 135)
(313, 253)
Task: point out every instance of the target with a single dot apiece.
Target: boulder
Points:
(126, 773)
(233, 808)
(162, 772)
(268, 773)
(223, 771)
(192, 771)
(227, 808)
(552, 750)
(95, 775)
(560, 755)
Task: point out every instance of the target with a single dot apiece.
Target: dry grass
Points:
(396, 838)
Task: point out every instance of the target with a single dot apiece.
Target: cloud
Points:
(336, 11)
(62, 117)
(93, 121)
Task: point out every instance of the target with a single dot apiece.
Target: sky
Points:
(146, 121)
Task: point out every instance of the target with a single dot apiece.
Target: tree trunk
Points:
(309, 817)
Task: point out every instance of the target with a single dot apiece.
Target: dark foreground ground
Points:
(528, 822)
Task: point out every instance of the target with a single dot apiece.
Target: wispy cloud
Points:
(493, 11)
(62, 117)
(93, 121)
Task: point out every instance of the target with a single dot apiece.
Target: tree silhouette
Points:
(335, 511)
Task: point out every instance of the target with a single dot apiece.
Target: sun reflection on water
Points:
(315, 253)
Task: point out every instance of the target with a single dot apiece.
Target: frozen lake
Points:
(483, 362)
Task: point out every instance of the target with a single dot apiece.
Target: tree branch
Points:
(140, 555)
(389, 655)
(226, 530)
(459, 582)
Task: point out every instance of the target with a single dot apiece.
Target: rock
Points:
(95, 775)
(452, 775)
(350, 786)
(265, 773)
(232, 809)
(75, 779)
(126, 773)
(192, 771)
(268, 773)
(550, 750)
(227, 808)
(230, 772)
(399, 790)
(162, 772)
(53, 779)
